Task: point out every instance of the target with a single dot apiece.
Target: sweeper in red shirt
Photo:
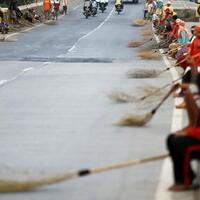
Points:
(184, 145)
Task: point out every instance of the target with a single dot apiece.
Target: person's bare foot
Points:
(180, 188)
(181, 105)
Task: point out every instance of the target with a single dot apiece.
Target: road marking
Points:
(3, 82)
(28, 69)
(91, 32)
(177, 118)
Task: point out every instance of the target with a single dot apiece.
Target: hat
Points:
(169, 3)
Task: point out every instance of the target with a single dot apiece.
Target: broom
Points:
(148, 55)
(133, 44)
(139, 22)
(147, 33)
(141, 120)
(2, 39)
(159, 89)
(50, 22)
(122, 97)
(177, 64)
(19, 186)
(8, 39)
(145, 73)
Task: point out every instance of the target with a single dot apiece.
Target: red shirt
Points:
(174, 33)
(195, 49)
(193, 132)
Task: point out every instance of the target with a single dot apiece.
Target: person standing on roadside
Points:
(65, 7)
(47, 8)
(56, 5)
(13, 11)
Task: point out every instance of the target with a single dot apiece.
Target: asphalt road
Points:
(56, 117)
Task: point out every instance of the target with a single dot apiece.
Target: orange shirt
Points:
(47, 5)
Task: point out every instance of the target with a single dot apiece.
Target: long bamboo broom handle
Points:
(147, 41)
(21, 186)
(195, 56)
(159, 89)
(162, 101)
(177, 64)
(121, 165)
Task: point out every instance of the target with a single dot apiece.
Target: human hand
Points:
(175, 86)
(181, 133)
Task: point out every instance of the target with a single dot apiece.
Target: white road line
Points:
(3, 82)
(28, 69)
(91, 32)
(166, 172)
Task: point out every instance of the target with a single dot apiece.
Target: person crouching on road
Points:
(184, 145)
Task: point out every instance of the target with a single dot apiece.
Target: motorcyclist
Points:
(104, 1)
(87, 4)
(94, 4)
(119, 2)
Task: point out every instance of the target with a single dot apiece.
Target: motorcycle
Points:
(102, 6)
(119, 8)
(94, 8)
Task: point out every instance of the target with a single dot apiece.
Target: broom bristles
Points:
(139, 22)
(122, 97)
(9, 39)
(143, 73)
(147, 33)
(148, 55)
(50, 22)
(135, 120)
(135, 44)
(2, 39)
(20, 186)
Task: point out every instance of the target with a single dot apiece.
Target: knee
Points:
(170, 141)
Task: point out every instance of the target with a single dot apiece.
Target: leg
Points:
(178, 147)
